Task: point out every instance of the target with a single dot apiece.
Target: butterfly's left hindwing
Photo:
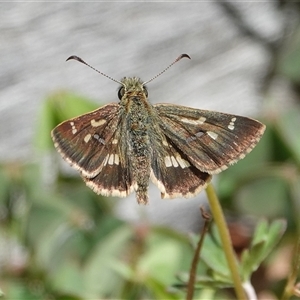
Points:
(211, 140)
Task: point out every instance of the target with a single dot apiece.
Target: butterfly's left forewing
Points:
(210, 140)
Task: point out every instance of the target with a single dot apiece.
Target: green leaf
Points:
(217, 274)
(212, 254)
(159, 290)
(68, 279)
(207, 281)
(162, 259)
(264, 240)
(99, 271)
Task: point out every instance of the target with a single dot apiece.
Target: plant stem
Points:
(193, 271)
(219, 219)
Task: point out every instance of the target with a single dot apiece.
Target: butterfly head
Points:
(133, 86)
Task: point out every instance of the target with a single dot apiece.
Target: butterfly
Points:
(120, 147)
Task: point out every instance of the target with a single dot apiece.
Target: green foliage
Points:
(216, 274)
(75, 248)
(263, 242)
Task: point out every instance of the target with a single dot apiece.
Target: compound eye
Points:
(146, 91)
(121, 92)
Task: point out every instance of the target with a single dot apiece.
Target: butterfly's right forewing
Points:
(86, 141)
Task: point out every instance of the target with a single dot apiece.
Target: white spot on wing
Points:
(165, 143)
(174, 161)
(95, 123)
(111, 159)
(199, 121)
(168, 161)
(213, 135)
(116, 161)
(182, 162)
(74, 130)
(105, 160)
(231, 124)
(87, 137)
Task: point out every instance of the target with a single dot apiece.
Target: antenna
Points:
(169, 66)
(82, 61)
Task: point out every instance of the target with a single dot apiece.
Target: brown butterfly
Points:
(120, 146)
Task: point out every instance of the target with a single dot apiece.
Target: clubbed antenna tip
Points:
(76, 58)
(182, 56)
(82, 61)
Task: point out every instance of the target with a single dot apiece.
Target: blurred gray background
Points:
(231, 45)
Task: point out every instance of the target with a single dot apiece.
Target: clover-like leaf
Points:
(264, 240)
